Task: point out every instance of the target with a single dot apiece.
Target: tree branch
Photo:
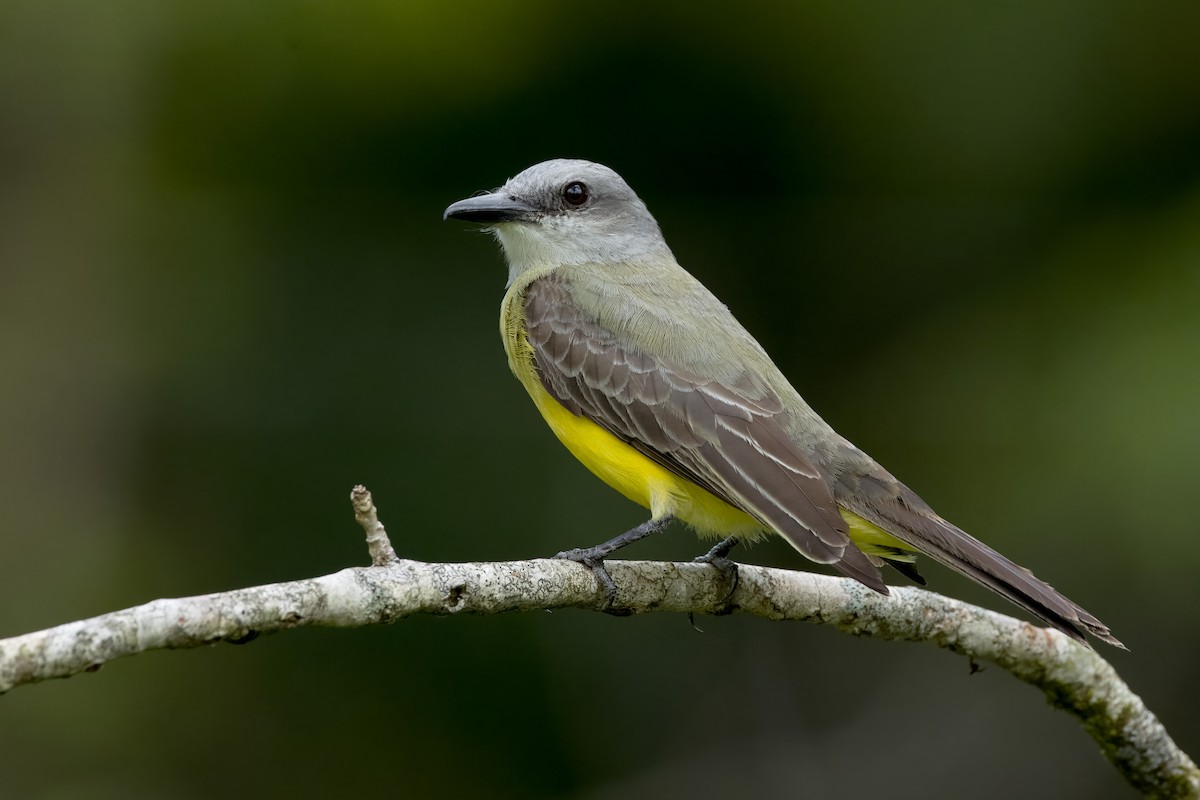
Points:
(1074, 677)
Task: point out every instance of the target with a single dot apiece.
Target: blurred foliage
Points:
(967, 231)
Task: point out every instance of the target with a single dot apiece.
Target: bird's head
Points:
(562, 212)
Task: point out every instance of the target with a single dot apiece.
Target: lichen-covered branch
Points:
(1075, 678)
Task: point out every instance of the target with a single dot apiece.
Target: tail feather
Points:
(981, 563)
(912, 522)
(907, 570)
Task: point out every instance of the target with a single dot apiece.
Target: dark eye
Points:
(575, 193)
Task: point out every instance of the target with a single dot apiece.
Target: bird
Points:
(650, 381)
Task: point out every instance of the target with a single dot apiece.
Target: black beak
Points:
(494, 207)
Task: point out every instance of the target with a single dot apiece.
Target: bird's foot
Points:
(718, 557)
(593, 559)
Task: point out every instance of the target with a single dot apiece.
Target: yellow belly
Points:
(641, 479)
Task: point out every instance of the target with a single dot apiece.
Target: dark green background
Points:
(970, 233)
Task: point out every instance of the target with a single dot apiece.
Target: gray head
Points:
(565, 211)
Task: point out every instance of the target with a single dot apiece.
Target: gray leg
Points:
(593, 557)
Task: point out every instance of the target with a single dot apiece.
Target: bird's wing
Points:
(721, 436)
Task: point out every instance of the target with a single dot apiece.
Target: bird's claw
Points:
(718, 558)
(588, 557)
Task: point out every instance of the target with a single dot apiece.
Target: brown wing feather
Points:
(720, 437)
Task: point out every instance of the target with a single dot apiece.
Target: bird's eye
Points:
(575, 193)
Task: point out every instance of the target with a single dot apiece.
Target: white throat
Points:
(561, 241)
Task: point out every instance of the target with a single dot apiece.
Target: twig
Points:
(1075, 678)
(378, 544)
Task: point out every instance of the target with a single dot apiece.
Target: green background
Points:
(968, 232)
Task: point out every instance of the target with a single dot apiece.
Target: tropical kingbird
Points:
(648, 380)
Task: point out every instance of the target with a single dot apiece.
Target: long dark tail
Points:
(977, 561)
(909, 519)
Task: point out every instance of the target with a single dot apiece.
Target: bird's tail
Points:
(952, 547)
